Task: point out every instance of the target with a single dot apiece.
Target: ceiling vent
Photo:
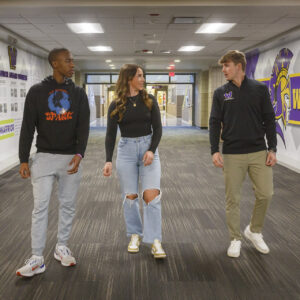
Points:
(187, 20)
(229, 38)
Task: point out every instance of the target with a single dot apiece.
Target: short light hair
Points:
(53, 54)
(235, 56)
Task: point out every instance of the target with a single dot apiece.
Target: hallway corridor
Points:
(195, 236)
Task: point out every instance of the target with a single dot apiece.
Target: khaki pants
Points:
(236, 167)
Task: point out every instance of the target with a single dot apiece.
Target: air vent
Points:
(186, 20)
(229, 38)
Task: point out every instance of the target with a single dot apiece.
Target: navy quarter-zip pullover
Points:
(245, 115)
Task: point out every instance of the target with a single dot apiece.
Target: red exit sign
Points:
(171, 74)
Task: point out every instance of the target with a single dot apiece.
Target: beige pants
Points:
(236, 167)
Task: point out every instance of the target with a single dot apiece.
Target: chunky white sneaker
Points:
(134, 244)
(34, 265)
(234, 248)
(257, 240)
(64, 255)
(157, 249)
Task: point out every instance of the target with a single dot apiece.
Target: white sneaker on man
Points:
(134, 244)
(257, 240)
(64, 255)
(34, 265)
(234, 248)
(157, 249)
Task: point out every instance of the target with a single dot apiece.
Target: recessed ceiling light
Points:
(177, 60)
(111, 65)
(215, 27)
(108, 61)
(85, 27)
(165, 51)
(100, 48)
(190, 48)
(172, 65)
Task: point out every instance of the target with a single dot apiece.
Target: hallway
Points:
(194, 235)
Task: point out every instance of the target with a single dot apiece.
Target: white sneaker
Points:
(133, 246)
(257, 240)
(157, 249)
(64, 255)
(234, 248)
(34, 265)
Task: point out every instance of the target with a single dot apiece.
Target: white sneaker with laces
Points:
(257, 240)
(134, 244)
(234, 248)
(157, 249)
(64, 255)
(34, 265)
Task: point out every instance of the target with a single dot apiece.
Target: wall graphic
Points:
(279, 69)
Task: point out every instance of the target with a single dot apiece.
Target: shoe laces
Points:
(257, 236)
(158, 246)
(235, 243)
(31, 261)
(65, 250)
(134, 239)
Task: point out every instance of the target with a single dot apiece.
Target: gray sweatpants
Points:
(45, 169)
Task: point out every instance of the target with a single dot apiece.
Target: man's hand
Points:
(218, 160)
(107, 170)
(271, 159)
(75, 162)
(24, 170)
(148, 158)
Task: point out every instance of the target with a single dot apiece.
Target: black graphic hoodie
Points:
(60, 113)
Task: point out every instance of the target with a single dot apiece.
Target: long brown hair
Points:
(126, 74)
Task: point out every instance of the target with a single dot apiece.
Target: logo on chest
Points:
(228, 96)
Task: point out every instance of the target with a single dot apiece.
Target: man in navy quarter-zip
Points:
(60, 113)
(242, 108)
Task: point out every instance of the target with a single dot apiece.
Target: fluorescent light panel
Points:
(190, 48)
(215, 27)
(85, 27)
(100, 48)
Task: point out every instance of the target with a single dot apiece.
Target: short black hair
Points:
(53, 54)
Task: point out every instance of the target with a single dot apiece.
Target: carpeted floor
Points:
(195, 236)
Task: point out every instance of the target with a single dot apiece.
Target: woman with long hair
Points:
(138, 117)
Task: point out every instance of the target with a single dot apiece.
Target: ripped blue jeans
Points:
(131, 172)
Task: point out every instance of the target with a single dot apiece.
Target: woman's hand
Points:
(107, 169)
(148, 158)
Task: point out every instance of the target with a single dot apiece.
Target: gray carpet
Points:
(194, 235)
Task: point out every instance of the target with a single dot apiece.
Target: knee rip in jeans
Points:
(151, 196)
(130, 198)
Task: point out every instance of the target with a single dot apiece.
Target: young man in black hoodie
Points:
(243, 109)
(59, 111)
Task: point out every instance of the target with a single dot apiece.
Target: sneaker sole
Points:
(256, 247)
(57, 257)
(35, 272)
(133, 251)
(158, 255)
(233, 255)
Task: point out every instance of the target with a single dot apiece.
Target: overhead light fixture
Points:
(177, 60)
(190, 48)
(85, 27)
(152, 41)
(100, 48)
(215, 27)
(187, 20)
(172, 65)
(165, 51)
(108, 61)
(111, 65)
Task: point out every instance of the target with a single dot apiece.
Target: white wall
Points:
(288, 153)
(12, 98)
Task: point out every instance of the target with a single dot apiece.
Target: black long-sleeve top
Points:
(61, 115)
(137, 121)
(246, 116)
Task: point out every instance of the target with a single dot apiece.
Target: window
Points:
(181, 78)
(96, 78)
